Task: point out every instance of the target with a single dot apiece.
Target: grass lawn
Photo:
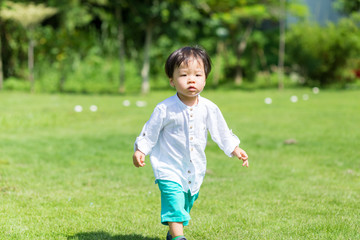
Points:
(69, 175)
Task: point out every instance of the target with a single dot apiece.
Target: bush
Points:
(93, 74)
(271, 79)
(16, 84)
(325, 55)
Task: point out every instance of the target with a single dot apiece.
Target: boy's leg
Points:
(176, 229)
(175, 207)
(172, 203)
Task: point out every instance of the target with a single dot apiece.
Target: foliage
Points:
(26, 14)
(325, 55)
(348, 6)
(93, 74)
(68, 175)
(242, 37)
(29, 16)
(16, 84)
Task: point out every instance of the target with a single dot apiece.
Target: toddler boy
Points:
(175, 138)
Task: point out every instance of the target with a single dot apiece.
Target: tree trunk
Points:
(217, 71)
(62, 81)
(145, 86)
(263, 62)
(31, 60)
(262, 57)
(281, 46)
(1, 65)
(121, 50)
(240, 50)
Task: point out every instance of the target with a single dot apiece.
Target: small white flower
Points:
(93, 108)
(141, 103)
(316, 90)
(126, 103)
(268, 100)
(294, 99)
(78, 108)
(305, 97)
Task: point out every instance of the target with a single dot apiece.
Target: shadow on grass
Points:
(107, 236)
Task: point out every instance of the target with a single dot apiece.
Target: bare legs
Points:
(176, 229)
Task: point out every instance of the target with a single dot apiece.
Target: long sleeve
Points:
(220, 132)
(150, 132)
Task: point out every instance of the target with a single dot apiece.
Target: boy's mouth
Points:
(191, 88)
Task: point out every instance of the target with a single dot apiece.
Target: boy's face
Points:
(189, 80)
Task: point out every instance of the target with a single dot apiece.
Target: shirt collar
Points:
(183, 105)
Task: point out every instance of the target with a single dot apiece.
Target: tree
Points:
(29, 16)
(151, 17)
(121, 41)
(70, 41)
(241, 18)
(348, 6)
(1, 63)
(222, 33)
(281, 44)
(111, 14)
(150, 12)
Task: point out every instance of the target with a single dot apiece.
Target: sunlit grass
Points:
(69, 175)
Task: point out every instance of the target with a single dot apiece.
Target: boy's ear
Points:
(171, 81)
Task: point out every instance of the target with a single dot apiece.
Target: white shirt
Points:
(175, 136)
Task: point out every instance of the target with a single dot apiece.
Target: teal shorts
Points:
(175, 203)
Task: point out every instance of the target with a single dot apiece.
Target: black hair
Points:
(183, 55)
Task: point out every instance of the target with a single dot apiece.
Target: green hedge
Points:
(325, 55)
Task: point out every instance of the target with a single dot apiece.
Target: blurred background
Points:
(120, 46)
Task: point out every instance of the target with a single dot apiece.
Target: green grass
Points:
(68, 175)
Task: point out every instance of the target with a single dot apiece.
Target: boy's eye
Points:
(182, 75)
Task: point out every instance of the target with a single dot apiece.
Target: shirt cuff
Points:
(232, 145)
(142, 145)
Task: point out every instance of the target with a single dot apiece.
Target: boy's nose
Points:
(191, 79)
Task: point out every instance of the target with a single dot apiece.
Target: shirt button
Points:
(191, 109)
(191, 149)
(191, 138)
(191, 127)
(191, 115)
(189, 171)
(189, 182)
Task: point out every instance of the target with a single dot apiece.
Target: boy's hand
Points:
(139, 159)
(241, 154)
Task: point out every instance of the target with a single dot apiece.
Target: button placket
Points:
(191, 144)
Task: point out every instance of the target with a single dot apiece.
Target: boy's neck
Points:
(189, 101)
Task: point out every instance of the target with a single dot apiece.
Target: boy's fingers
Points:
(244, 156)
(141, 162)
(138, 159)
(246, 163)
(136, 164)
